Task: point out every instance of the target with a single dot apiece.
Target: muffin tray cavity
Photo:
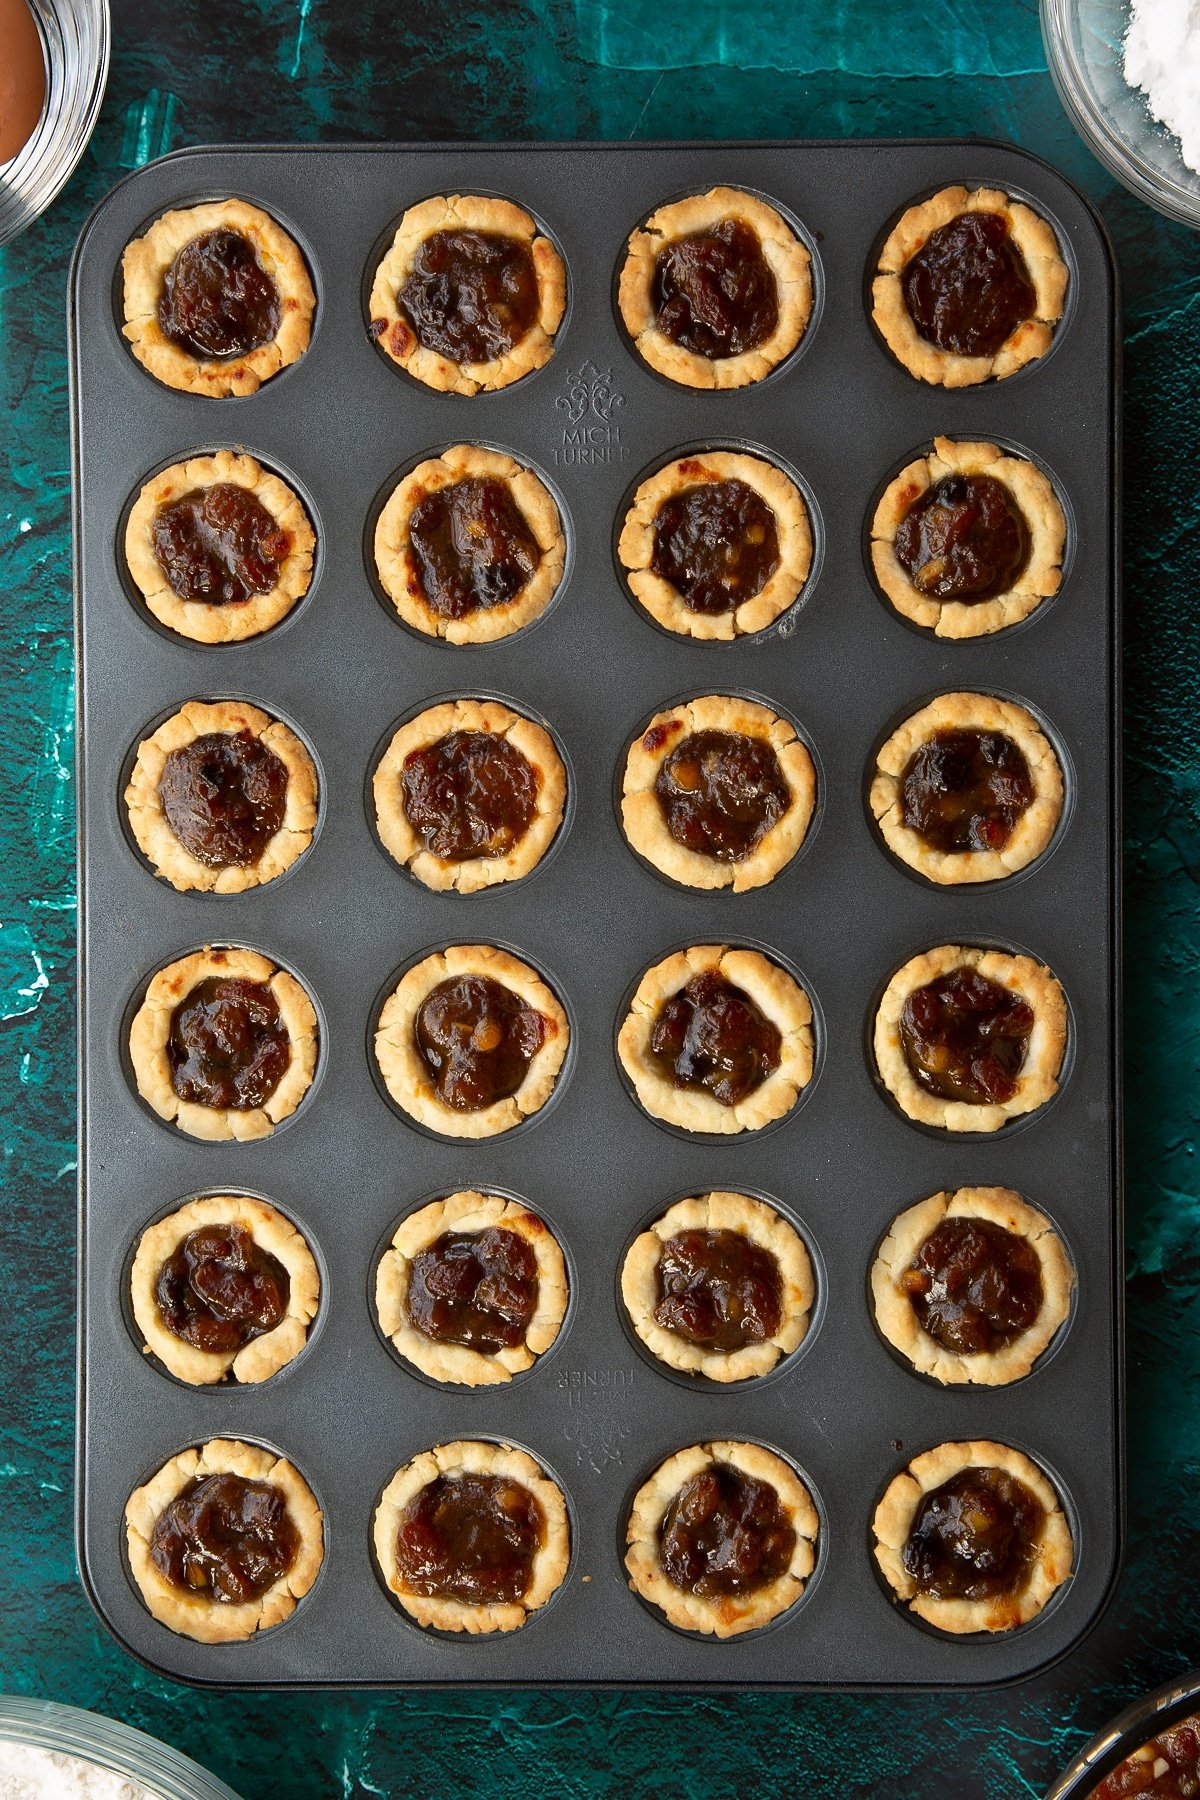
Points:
(596, 1411)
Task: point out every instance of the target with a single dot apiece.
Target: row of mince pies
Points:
(717, 792)
(715, 291)
(717, 1040)
(966, 540)
(969, 1287)
(474, 1536)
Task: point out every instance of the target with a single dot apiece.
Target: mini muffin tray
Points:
(340, 426)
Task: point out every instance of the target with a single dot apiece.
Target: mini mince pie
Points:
(972, 1286)
(966, 1039)
(472, 1537)
(971, 1537)
(970, 287)
(722, 1538)
(222, 797)
(967, 789)
(472, 1289)
(469, 794)
(217, 299)
(224, 1286)
(718, 792)
(220, 549)
(470, 547)
(224, 1541)
(470, 294)
(720, 1286)
(716, 290)
(471, 1042)
(717, 1040)
(716, 545)
(968, 540)
(224, 1045)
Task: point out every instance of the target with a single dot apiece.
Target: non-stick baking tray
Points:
(342, 670)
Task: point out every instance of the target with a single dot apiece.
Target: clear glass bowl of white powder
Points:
(1128, 73)
(52, 1752)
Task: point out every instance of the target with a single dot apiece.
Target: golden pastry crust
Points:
(1033, 830)
(192, 1615)
(470, 1212)
(894, 1517)
(151, 1029)
(475, 872)
(147, 260)
(1037, 502)
(777, 995)
(152, 829)
(784, 254)
(1037, 1079)
(1036, 242)
(721, 1615)
(763, 1226)
(398, 569)
(642, 814)
(403, 1069)
(551, 1559)
(262, 1356)
(467, 212)
(894, 1312)
(198, 620)
(665, 604)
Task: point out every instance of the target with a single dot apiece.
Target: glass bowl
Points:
(163, 1772)
(1144, 1720)
(75, 42)
(1084, 46)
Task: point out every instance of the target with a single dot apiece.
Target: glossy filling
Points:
(218, 545)
(968, 288)
(975, 1537)
(471, 1538)
(1167, 1768)
(713, 292)
(712, 1036)
(228, 1045)
(717, 545)
(217, 300)
(725, 1533)
(218, 1290)
(470, 794)
(718, 1289)
(965, 790)
(965, 539)
(471, 546)
(225, 1539)
(721, 792)
(477, 1039)
(973, 1285)
(224, 796)
(965, 1037)
(470, 295)
(476, 1288)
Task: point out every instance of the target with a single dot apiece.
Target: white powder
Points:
(1162, 57)
(27, 1772)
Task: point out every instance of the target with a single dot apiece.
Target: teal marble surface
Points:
(187, 73)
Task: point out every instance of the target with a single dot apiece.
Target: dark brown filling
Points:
(470, 794)
(470, 295)
(218, 545)
(713, 293)
(719, 1290)
(712, 1036)
(725, 1533)
(968, 288)
(1178, 1748)
(974, 1537)
(219, 1289)
(228, 1045)
(965, 790)
(965, 1037)
(716, 543)
(965, 539)
(224, 796)
(225, 1538)
(973, 1285)
(217, 299)
(472, 547)
(721, 792)
(471, 1538)
(477, 1039)
(478, 1288)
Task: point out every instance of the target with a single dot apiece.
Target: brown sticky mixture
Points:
(713, 293)
(966, 539)
(225, 1538)
(472, 547)
(721, 792)
(478, 1288)
(965, 790)
(965, 1037)
(1177, 1749)
(217, 299)
(973, 1285)
(224, 795)
(228, 1045)
(725, 1533)
(717, 544)
(975, 1537)
(470, 794)
(967, 288)
(477, 1039)
(711, 1035)
(219, 1289)
(718, 1289)
(219, 544)
(470, 295)
(471, 1538)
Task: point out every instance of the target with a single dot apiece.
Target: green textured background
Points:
(194, 71)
